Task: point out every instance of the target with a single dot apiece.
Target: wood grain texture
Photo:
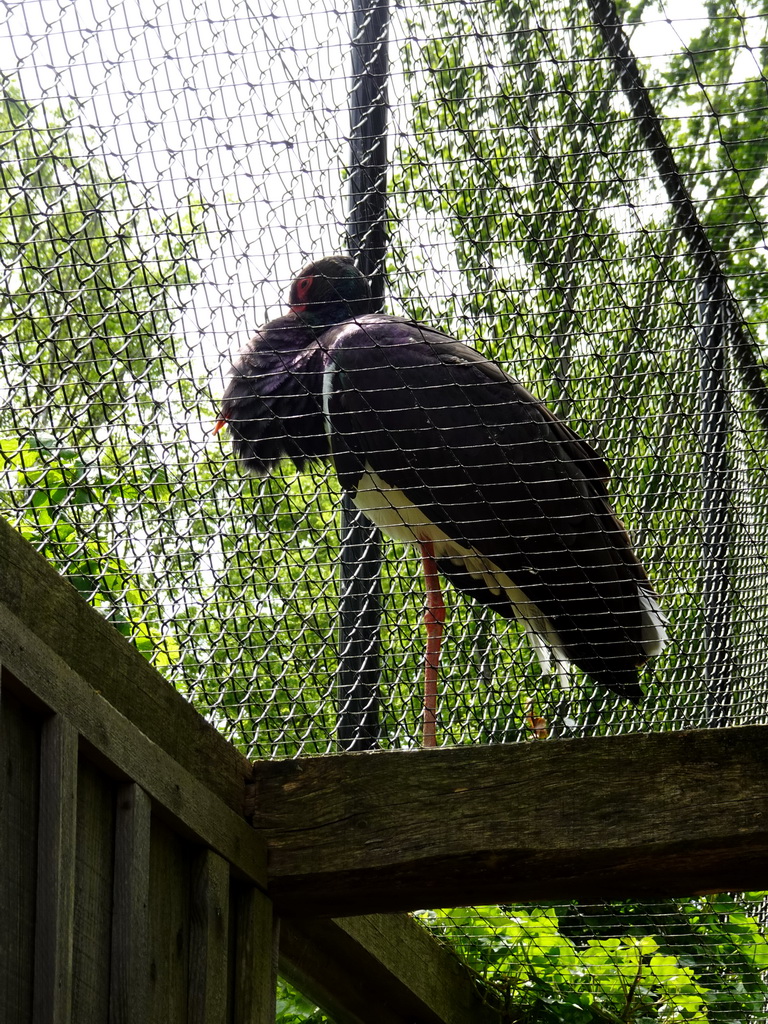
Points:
(19, 798)
(54, 616)
(170, 884)
(596, 819)
(208, 940)
(383, 969)
(115, 743)
(255, 943)
(130, 970)
(94, 861)
(54, 918)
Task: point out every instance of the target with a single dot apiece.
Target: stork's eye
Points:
(300, 290)
(303, 288)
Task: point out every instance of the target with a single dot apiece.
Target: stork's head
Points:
(330, 291)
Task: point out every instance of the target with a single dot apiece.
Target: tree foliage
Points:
(547, 241)
(91, 367)
(106, 464)
(678, 962)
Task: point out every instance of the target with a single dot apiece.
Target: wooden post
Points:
(54, 919)
(256, 949)
(129, 985)
(209, 934)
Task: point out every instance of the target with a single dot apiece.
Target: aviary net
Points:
(168, 167)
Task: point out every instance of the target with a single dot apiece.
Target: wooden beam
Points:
(384, 969)
(55, 617)
(596, 819)
(114, 742)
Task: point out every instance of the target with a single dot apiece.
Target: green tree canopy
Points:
(93, 370)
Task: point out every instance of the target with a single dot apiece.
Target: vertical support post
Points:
(257, 937)
(368, 111)
(715, 493)
(130, 971)
(359, 585)
(208, 937)
(54, 919)
(359, 626)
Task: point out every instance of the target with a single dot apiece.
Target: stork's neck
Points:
(320, 317)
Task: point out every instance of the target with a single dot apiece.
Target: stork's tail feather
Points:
(654, 624)
(624, 683)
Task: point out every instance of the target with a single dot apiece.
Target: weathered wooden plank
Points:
(93, 894)
(54, 918)
(383, 969)
(596, 819)
(130, 969)
(114, 741)
(19, 800)
(255, 946)
(208, 941)
(170, 881)
(34, 596)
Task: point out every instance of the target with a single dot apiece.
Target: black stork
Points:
(440, 448)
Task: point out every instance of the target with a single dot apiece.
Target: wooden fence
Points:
(132, 888)
(147, 867)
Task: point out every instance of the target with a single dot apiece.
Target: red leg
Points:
(434, 617)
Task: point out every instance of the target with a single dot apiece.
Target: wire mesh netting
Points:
(167, 168)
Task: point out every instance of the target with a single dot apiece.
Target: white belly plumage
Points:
(400, 519)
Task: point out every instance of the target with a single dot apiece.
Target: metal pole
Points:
(359, 673)
(368, 113)
(357, 684)
(746, 359)
(715, 490)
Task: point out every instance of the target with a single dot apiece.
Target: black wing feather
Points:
(495, 471)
